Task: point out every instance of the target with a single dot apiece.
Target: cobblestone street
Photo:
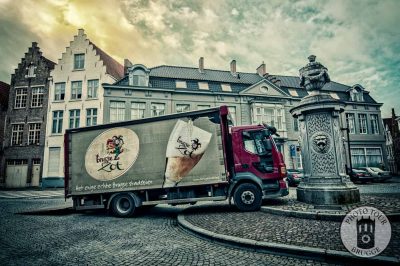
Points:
(98, 239)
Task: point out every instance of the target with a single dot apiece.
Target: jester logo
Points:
(186, 148)
(114, 146)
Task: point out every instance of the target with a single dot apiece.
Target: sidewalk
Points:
(308, 236)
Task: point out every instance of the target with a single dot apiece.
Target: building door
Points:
(54, 162)
(35, 172)
(16, 173)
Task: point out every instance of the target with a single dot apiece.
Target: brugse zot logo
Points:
(112, 153)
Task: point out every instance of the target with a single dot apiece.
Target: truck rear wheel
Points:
(123, 205)
(247, 197)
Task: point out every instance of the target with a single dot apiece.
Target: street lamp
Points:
(348, 148)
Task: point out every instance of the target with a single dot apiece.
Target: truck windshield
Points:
(257, 142)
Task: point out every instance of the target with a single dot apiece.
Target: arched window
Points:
(31, 71)
(138, 76)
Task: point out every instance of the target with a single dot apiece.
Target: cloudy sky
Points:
(358, 41)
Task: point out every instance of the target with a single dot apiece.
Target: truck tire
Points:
(123, 205)
(247, 197)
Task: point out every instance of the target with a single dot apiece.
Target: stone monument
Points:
(325, 181)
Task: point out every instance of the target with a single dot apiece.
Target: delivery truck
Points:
(180, 158)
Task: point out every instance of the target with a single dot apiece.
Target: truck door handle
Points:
(245, 165)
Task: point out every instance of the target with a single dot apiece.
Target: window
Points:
(363, 123)
(366, 157)
(92, 88)
(351, 122)
(334, 95)
(74, 116)
(54, 161)
(226, 87)
(79, 61)
(138, 78)
(59, 91)
(17, 134)
(117, 111)
(182, 108)
(272, 115)
(20, 97)
(76, 90)
(157, 109)
(232, 111)
(203, 85)
(34, 133)
(31, 71)
(356, 96)
(180, 84)
(91, 117)
(137, 110)
(299, 160)
(293, 92)
(374, 124)
(57, 122)
(296, 124)
(203, 106)
(37, 96)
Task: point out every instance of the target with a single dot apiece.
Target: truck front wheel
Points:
(123, 205)
(247, 197)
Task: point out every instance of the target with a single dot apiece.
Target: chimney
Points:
(81, 32)
(127, 64)
(34, 44)
(233, 68)
(201, 65)
(261, 70)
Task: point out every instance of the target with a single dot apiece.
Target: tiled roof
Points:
(113, 68)
(4, 91)
(184, 73)
(165, 76)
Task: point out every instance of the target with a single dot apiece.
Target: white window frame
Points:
(182, 107)
(34, 130)
(363, 123)
(91, 116)
(79, 61)
(270, 114)
(204, 86)
(365, 154)
(37, 96)
(351, 122)
(59, 91)
(57, 122)
(117, 111)
(76, 91)
(138, 110)
(374, 124)
(92, 88)
(157, 109)
(21, 96)
(74, 118)
(226, 87)
(180, 84)
(17, 134)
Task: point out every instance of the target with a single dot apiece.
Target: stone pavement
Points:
(261, 230)
(31, 193)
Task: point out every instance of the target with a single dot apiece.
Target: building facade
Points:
(252, 98)
(4, 91)
(392, 131)
(25, 122)
(75, 98)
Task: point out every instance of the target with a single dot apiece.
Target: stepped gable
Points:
(113, 68)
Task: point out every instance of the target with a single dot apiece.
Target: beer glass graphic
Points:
(186, 146)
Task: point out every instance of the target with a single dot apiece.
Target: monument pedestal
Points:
(325, 180)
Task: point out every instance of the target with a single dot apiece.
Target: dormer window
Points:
(356, 95)
(138, 76)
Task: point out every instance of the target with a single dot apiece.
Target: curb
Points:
(284, 249)
(318, 215)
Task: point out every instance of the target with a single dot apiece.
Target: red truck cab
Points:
(255, 163)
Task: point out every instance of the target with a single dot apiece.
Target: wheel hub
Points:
(247, 197)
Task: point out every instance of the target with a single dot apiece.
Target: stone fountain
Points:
(325, 181)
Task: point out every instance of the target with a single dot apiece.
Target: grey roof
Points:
(185, 73)
(165, 76)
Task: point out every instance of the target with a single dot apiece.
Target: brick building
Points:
(4, 91)
(25, 122)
